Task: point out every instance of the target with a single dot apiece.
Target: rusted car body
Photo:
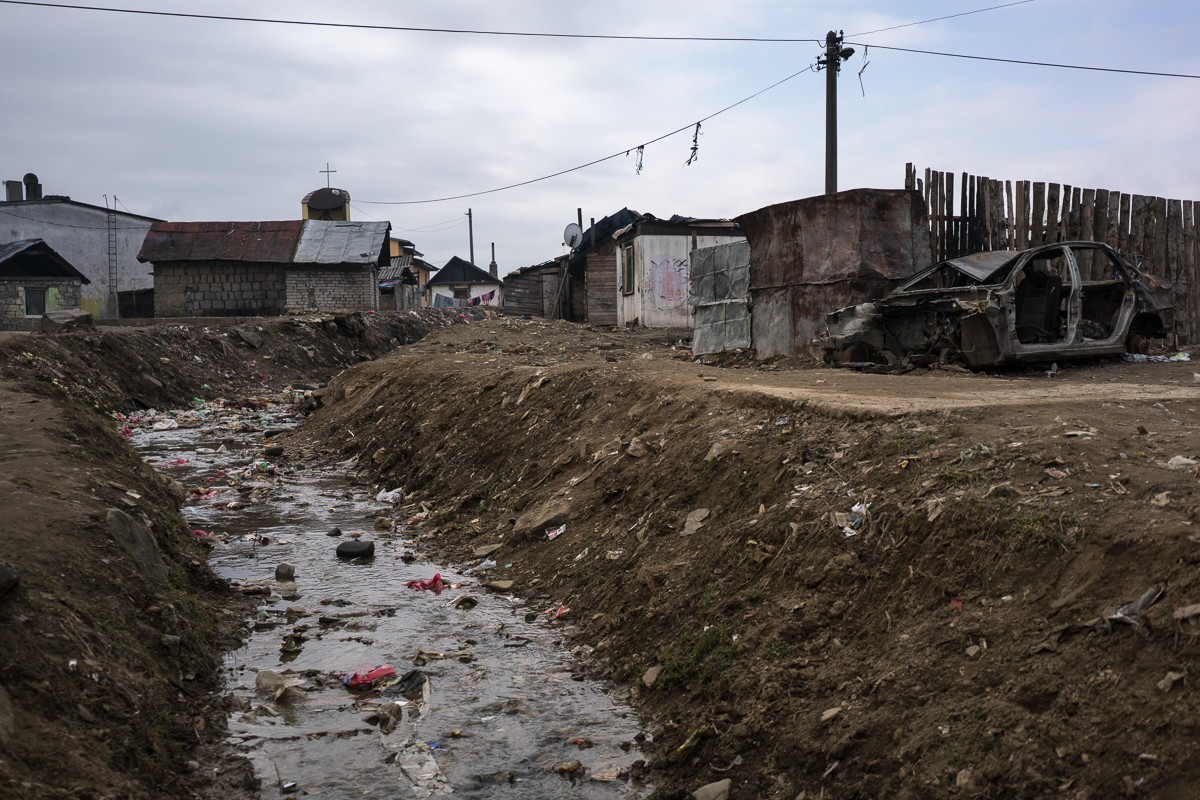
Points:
(1048, 303)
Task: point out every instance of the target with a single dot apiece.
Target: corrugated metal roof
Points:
(264, 242)
(393, 270)
(329, 242)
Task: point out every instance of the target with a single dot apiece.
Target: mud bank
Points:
(816, 583)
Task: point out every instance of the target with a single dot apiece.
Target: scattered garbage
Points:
(1127, 614)
(1181, 462)
(551, 535)
(1142, 358)
(393, 496)
(279, 687)
(366, 677)
(851, 522)
(434, 584)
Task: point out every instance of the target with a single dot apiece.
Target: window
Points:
(462, 293)
(627, 274)
(35, 302)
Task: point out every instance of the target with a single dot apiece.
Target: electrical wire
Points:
(619, 153)
(948, 16)
(1031, 63)
(407, 28)
(68, 225)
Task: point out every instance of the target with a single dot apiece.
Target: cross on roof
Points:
(327, 172)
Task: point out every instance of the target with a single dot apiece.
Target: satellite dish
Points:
(573, 236)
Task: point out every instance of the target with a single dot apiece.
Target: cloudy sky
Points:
(199, 119)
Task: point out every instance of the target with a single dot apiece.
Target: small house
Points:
(265, 268)
(402, 281)
(35, 279)
(101, 243)
(461, 283)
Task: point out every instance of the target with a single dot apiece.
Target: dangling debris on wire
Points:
(640, 152)
(695, 146)
(866, 64)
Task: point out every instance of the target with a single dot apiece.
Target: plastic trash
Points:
(434, 584)
(393, 496)
(551, 535)
(366, 677)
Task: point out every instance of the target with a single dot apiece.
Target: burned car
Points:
(1048, 303)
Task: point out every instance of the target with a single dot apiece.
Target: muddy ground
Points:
(812, 582)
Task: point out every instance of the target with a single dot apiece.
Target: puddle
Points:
(499, 712)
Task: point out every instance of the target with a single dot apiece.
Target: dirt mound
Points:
(821, 582)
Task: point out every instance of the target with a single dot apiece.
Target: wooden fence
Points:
(1159, 234)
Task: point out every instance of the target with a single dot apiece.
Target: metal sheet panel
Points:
(331, 242)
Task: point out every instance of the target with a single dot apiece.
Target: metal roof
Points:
(263, 242)
(330, 242)
(35, 258)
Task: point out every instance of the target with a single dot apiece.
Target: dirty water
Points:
(488, 707)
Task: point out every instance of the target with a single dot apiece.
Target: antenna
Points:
(572, 235)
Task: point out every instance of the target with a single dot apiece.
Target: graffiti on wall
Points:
(669, 278)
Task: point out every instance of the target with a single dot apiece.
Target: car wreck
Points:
(1048, 303)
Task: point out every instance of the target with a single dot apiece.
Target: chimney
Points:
(33, 189)
(13, 192)
(492, 268)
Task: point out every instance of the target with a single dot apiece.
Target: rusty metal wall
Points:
(812, 256)
(720, 289)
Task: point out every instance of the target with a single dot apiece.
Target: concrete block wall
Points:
(61, 295)
(218, 289)
(350, 288)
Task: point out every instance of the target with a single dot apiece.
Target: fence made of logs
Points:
(990, 214)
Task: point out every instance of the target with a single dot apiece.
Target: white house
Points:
(101, 243)
(653, 263)
(461, 283)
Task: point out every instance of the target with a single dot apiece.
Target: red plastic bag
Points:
(434, 584)
(366, 678)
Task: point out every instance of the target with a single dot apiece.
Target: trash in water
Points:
(465, 603)
(434, 584)
(557, 613)
(279, 687)
(367, 677)
(393, 496)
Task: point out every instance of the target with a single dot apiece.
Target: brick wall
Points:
(349, 288)
(61, 295)
(217, 289)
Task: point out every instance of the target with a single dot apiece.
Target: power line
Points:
(1030, 63)
(948, 16)
(68, 225)
(407, 28)
(625, 152)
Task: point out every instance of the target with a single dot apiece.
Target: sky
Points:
(198, 119)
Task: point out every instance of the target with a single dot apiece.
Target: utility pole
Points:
(471, 234)
(835, 54)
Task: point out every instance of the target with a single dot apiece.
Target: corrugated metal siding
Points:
(813, 256)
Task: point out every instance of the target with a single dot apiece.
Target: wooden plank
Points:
(1100, 217)
(1086, 211)
(1022, 238)
(1037, 217)
(1077, 215)
(1138, 206)
(948, 224)
(940, 201)
(1185, 318)
(974, 231)
(1053, 213)
(910, 176)
(1162, 233)
(1174, 241)
(1010, 217)
(1123, 208)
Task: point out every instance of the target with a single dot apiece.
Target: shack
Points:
(35, 279)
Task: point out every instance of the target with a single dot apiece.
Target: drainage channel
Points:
(469, 692)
